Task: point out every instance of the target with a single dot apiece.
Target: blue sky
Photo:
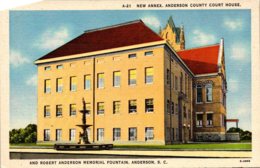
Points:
(35, 33)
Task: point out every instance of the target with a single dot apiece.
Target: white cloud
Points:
(233, 24)
(202, 38)
(53, 38)
(233, 85)
(242, 111)
(238, 51)
(32, 81)
(17, 59)
(152, 21)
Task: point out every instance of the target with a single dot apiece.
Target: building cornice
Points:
(89, 54)
(206, 75)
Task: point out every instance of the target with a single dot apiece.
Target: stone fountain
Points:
(83, 143)
(83, 137)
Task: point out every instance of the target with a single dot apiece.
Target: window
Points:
(209, 92)
(148, 53)
(176, 109)
(199, 93)
(177, 133)
(149, 75)
(100, 60)
(46, 135)
(72, 109)
(199, 119)
(148, 105)
(172, 108)
(132, 134)
(72, 65)
(72, 134)
(172, 81)
(188, 94)
(149, 133)
(58, 134)
(47, 68)
(87, 82)
(116, 134)
(116, 78)
(59, 66)
(168, 107)
(58, 110)
(100, 108)
(173, 134)
(176, 83)
(100, 134)
(47, 112)
(73, 84)
(189, 114)
(181, 82)
(168, 133)
(116, 107)
(209, 119)
(168, 77)
(132, 56)
(88, 108)
(100, 78)
(47, 86)
(186, 83)
(117, 58)
(59, 86)
(184, 112)
(132, 77)
(132, 106)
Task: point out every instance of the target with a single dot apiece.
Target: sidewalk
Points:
(130, 153)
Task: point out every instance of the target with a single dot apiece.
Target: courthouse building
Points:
(139, 86)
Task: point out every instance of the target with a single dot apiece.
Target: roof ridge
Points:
(211, 45)
(113, 26)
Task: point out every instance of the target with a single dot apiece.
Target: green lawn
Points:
(204, 146)
(30, 144)
(200, 146)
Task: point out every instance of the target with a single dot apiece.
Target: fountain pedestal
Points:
(83, 143)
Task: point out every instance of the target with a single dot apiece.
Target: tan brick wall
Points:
(216, 106)
(104, 64)
(176, 71)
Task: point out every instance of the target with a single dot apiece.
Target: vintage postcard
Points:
(130, 84)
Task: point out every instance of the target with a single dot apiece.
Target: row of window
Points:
(174, 109)
(178, 84)
(208, 91)
(133, 55)
(132, 134)
(132, 80)
(199, 119)
(132, 108)
(172, 131)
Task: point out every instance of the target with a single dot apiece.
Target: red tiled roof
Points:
(201, 60)
(122, 35)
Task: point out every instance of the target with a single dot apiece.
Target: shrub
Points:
(26, 135)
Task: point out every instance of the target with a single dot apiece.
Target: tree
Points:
(244, 135)
(26, 135)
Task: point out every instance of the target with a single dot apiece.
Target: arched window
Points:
(208, 92)
(199, 93)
